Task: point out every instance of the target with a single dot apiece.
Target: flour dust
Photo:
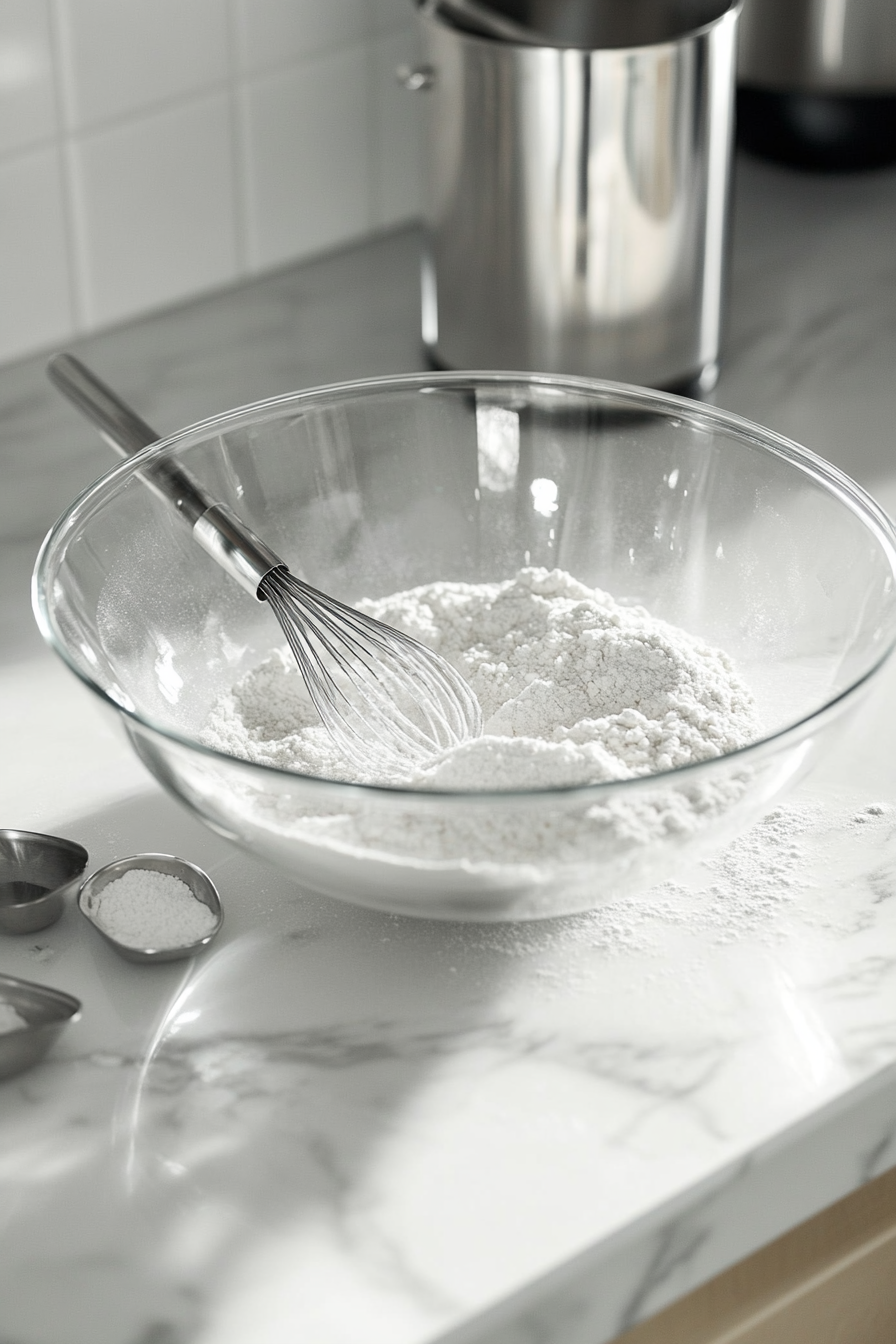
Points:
(574, 688)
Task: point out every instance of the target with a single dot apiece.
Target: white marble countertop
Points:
(345, 1128)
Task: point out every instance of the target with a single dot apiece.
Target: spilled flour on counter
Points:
(574, 688)
(819, 867)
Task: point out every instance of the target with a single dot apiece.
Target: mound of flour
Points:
(574, 689)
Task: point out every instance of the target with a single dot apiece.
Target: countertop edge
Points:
(689, 1239)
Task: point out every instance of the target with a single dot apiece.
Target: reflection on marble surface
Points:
(338, 1126)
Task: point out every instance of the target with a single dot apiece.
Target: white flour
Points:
(574, 688)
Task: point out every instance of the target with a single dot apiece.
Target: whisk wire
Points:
(324, 692)
(363, 675)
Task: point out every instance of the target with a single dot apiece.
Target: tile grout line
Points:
(68, 139)
(238, 148)
(76, 276)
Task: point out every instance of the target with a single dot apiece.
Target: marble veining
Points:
(336, 1118)
(345, 1128)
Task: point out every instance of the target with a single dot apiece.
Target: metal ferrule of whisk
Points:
(238, 550)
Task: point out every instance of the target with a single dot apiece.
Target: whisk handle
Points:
(215, 527)
(125, 431)
(236, 548)
(121, 427)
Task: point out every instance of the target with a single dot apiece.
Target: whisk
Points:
(386, 700)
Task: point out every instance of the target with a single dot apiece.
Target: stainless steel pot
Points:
(817, 81)
(577, 199)
(820, 46)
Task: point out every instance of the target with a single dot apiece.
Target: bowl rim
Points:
(683, 409)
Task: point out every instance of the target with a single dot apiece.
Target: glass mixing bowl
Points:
(369, 488)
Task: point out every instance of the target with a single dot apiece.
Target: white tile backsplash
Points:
(308, 158)
(35, 306)
(153, 149)
(154, 216)
(391, 14)
(122, 56)
(277, 32)
(27, 97)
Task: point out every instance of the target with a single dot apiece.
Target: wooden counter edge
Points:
(831, 1280)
